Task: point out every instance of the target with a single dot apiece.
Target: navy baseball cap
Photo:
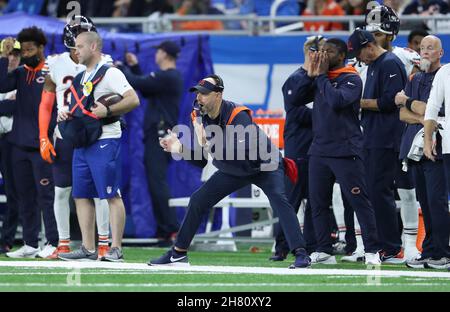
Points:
(206, 87)
(358, 40)
(170, 47)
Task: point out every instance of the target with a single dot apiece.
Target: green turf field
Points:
(15, 278)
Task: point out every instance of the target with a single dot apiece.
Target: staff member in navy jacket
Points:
(336, 149)
(429, 176)
(233, 173)
(33, 177)
(382, 130)
(297, 140)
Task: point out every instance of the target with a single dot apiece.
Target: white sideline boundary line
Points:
(202, 285)
(221, 269)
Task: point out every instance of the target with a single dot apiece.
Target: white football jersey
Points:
(62, 70)
(409, 58)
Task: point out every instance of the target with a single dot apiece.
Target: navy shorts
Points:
(97, 170)
(62, 166)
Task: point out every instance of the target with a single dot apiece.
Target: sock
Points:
(410, 216)
(359, 241)
(61, 208)
(338, 210)
(181, 253)
(64, 242)
(102, 216)
(103, 240)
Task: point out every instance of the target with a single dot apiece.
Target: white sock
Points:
(102, 216)
(359, 241)
(301, 214)
(338, 210)
(61, 208)
(410, 216)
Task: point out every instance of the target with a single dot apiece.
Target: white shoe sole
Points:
(415, 266)
(329, 260)
(352, 259)
(394, 261)
(77, 260)
(175, 264)
(111, 260)
(31, 256)
(438, 267)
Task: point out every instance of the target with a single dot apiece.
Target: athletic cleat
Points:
(418, 263)
(356, 256)
(81, 254)
(114, 254)
(171, 258)
(46, 252)
(392, 259)
(372, 258)
(278, 256)
(443, 263)
(58, 250)
(302, 260)
(322, 258)
(24, 252)
(102, 250)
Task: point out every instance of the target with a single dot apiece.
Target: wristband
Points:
(408, 103)
(108, 112)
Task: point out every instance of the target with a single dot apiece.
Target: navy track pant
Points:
(221, 184)
(156, 164)
(349, 171)
(381, 165)
(429, 178)
(295, 194)
(35, 192)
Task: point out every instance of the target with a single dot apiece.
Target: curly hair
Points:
(32, 34)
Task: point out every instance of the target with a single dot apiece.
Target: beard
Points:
(425, 65)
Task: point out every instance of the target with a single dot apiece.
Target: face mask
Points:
(32, 61)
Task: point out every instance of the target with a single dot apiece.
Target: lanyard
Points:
(91, 76)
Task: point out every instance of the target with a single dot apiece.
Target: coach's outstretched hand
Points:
(170, 143)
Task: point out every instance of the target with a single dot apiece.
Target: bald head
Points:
(91, 37)
(432, 40)
(88, 47)
(430, 53)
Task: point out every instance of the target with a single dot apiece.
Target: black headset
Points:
(219, 82)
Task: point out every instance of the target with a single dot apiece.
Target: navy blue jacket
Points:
(336, 126)
(249, 165)
(417, 89)
(25, 130)
(164, 90)
(298, 126)
(385, 77)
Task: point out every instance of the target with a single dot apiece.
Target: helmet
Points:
(74, 27)
(383, 19)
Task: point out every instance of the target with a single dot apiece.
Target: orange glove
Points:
(47, 150)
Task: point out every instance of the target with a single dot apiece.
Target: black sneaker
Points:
(302, 260)
(278, 256)
(4, 249)
(171, 258)
(80, 254)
